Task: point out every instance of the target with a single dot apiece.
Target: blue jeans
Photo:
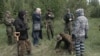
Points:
(35, 35)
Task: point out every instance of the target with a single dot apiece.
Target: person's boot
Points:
(28, 52)
(82, 55)
(52, 35)
(52, 32)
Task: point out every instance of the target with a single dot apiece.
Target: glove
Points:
(73, 37)
(86, 36)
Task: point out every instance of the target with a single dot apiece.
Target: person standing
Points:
(80, 30)
(8, 21)
(68, 18)
(49, 23)
(36, 17)
(21, 27)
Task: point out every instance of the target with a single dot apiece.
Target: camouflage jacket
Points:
(8, 22)
(80, 27)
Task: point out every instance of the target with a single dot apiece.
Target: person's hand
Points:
(70, 19)
(73, 37)
(49, 15)
(86, 36)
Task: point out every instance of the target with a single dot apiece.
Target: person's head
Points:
(68, 10)
(26, 12)
(80, 12)
(7, 14)
(49, 10)
(38, 10)
(59, 37)
(21, 14)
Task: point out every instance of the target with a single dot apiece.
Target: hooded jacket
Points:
(80, 27)
(20, 26)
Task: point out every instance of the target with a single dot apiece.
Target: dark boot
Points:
(28, 52)
(82, 55)
(48, 34)
(52, 33)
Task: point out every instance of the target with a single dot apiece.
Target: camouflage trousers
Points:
(9, 31)
(23, 45)
(50, 31)
(68, 28)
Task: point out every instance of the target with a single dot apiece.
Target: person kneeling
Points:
(67, 39)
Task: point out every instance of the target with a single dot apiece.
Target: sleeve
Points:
(76, 27)
(64, 18)
(18, 26)
(6, 22)
(46, 16)
(72, 17)
(86, 27)
(38, 17)
(33, 17)
(52, 16)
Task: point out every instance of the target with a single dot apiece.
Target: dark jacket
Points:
(67, 17)
(36, 18)
(21, 27)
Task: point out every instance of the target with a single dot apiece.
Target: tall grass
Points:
(92, 44)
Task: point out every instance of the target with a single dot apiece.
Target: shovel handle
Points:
(16, 35)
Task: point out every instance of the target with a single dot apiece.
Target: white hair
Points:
(38, 10)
